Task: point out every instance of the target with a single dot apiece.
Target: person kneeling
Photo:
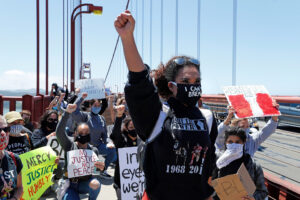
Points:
(230, 161)
(84, 184)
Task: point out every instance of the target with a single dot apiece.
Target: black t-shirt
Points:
(18, 145)
(9, 175)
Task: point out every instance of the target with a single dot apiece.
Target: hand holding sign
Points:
(84, 95)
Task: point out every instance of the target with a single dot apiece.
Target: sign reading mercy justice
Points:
(131, 176)
(250, 101)
(38, 166)
(94, 88)
(81, 162)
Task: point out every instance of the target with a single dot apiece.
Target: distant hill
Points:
(19, 92)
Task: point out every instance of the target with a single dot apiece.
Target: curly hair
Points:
(45, 116)
(168, 72)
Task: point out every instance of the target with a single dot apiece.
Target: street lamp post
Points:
(91, 9)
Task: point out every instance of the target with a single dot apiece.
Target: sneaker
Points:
(105, 175)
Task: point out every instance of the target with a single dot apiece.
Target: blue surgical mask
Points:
(96, 110)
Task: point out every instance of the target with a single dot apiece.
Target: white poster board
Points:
(81, 162)
(250, 101)
(131, 176)
(94, 88)
(53, 143)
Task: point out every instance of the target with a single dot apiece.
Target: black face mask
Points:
(132, 133)
(188, 93)
(52, 125)
(83, 139)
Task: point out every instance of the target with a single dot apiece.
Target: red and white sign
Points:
(81, 162)
(250, 101)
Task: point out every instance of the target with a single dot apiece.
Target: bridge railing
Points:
(35, 104)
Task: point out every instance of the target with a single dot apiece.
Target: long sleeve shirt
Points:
(253, 141)
(180, 160)
(95, 122)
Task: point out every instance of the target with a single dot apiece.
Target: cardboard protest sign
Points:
(38, 166)
(53, 143)
(250, 101)
(94, 88)
(234, 186)
(81, 162)
(131, 176)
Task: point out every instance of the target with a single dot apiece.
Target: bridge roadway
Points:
(279, 155)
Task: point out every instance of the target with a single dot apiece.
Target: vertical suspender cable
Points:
(67, 43)
(143, 14)
(115, 49)
(63, 42)
(198, 29)
(234, 42)
(176, 30)
(150, 33)
(161, 30)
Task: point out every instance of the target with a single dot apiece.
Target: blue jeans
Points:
(111, 154)
(82, 187)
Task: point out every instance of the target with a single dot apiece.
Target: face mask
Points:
(132, 133)
(83, 139)
(52, 125)
(233, 152)
(96, 110)
(3, 140)
(188, 93)
(16, 129)
(27, 120)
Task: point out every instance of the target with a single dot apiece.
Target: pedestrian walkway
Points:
(107, 191)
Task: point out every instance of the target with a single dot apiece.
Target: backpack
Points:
(207, 114)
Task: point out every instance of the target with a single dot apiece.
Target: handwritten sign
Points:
(81, 162)
(250, 101)
(131, 176)
(53, 143)
(234, 186)
(94, 88)
(37, 171)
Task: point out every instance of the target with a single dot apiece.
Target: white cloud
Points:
(18, 79)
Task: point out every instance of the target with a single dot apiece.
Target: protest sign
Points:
(94, 88)
(234, 186)
(81, 162)
(53, 143)
(250, 101)
(37, 171)
(131, 176)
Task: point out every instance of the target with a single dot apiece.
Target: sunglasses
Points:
(52, 120)
(184, 61)
(5, 129)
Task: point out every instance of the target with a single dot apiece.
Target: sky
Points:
(268, 41)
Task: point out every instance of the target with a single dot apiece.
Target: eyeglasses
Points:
(52, 120)
(5, 129)
(184, 61)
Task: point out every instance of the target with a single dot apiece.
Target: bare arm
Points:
(124, 25)
(19, 191)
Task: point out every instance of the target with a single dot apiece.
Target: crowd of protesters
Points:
(160, 111)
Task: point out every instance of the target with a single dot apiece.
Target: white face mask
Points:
(233, 152)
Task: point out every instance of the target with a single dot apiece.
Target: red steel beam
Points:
(47, 33)
(37, 47)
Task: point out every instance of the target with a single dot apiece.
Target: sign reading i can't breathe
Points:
(250, 101)
(94, 88)
(131, 176)
(81, 162)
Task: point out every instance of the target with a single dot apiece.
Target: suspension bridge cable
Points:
(161, 30)
(67, 43)
(150, 33)
(63, 42)
(176, 30)
(143, 14)
(198, 29)
(115, 48)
